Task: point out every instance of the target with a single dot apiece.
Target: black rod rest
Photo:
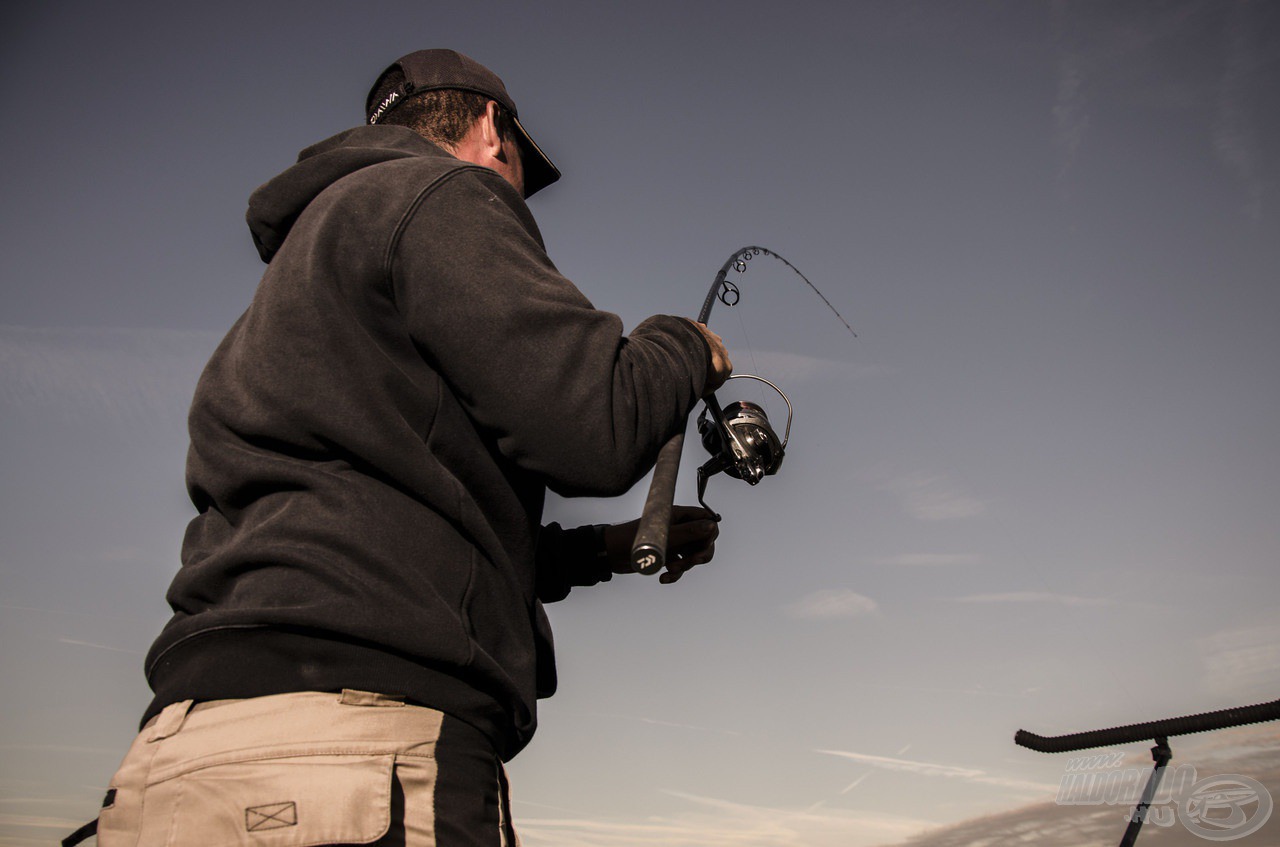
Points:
(1158, 731)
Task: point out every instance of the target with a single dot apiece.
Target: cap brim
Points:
(539, 172)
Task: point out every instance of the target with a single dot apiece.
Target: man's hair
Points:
(442, 116)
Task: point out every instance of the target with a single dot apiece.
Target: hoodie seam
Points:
(393, 243)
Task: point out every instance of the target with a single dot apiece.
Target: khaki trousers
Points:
(309, 768)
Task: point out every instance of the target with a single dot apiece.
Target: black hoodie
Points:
(372, 442)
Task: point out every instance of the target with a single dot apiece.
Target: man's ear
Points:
(490, 137)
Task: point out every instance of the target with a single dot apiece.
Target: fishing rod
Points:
(739, 437)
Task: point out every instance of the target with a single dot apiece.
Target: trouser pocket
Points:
(270, 802)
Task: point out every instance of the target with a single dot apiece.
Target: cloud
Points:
(1034, 597)
(128, 376)
(1070, 115)
(74, 612)
(971, 691)
(37, 822)
(672, 724)
(934, 497)
(62, 748)
(1245, 661)
(931, 559)
(714, 822)
(830, 603)
(904, 765)
(1114, 58)
(1103, 42)
(1254, 751)
(947, 771)
(1235, 139)
(99, 646)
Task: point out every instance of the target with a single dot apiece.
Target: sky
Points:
(1040, 489)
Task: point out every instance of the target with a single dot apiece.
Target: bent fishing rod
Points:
(739, 437)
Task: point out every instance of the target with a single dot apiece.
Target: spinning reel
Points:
(740, 439)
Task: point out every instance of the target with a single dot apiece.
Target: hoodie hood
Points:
(275, 206)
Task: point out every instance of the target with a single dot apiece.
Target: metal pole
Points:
(1162, 754)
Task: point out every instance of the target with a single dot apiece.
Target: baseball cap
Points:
(430, 70)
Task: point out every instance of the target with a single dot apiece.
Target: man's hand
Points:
(721, 367)
(691, 541)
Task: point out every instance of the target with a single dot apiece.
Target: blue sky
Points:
(1040, 489)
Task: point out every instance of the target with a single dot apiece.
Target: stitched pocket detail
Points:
(286, 802)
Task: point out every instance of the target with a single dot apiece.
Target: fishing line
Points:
(729, 294)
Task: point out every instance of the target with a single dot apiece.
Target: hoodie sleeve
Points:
(569, 558)
(553, 381)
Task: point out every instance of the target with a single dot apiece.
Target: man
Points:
(358, 638)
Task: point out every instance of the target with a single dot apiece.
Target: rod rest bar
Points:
(1185, 725)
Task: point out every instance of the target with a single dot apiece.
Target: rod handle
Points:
(649, 551)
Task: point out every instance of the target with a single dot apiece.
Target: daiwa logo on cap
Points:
(384, 106)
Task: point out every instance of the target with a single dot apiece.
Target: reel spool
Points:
(741, 440)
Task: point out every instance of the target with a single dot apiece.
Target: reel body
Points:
(741, 440)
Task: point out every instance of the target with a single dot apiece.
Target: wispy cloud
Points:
(905, 765)
(1052, 825)
(61, 748)
(832, 603)
(73, 612)
(130, 376)
(1112, 58)
(1035, 597)
(99, 646)
(1235, 139)
(931, 559)
(934, 497)
(38, 822)
(1070, 106)
(671, 724)
(715, 823)
(1044, 824)
(1245, 660)
(971, 691)
(933, 769)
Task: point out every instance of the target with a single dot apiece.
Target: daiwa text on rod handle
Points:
(740, 438)
(1205, 722)
(649, 551)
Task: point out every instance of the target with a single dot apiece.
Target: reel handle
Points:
(649, 551)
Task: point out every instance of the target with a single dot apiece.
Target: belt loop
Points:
(352, 697)
(170, 720)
